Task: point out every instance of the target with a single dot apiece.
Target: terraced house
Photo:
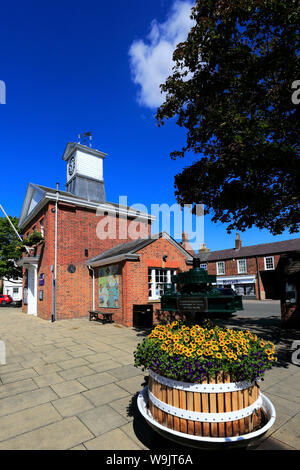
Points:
(252, 271)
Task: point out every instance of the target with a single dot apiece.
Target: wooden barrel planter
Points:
(218, 407)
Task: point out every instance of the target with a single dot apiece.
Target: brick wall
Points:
(231, 269)
(134, 279)
(76, 232)
(135, 276)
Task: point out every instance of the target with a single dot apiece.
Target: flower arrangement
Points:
(193, 353)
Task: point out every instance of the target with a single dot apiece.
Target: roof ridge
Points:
(258, 244)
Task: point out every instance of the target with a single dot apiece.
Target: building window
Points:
(269, 262)
(42, 227)
(242, 266)
(158, 279)
(291, 293)
(220, 267)
(15, 290)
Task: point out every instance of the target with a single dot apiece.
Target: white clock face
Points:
(71, 166)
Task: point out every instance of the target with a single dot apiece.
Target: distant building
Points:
(249, 270)
(13, 287)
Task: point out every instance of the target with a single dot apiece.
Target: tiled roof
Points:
(252, 250)
(123, 248)
(132, 247)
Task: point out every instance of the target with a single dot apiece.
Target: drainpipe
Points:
(92, 269)
(52, 293)
(258, 279)
(55, 253)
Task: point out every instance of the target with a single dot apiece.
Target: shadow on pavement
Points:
(268, 328)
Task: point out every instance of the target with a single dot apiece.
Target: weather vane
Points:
(85, 138)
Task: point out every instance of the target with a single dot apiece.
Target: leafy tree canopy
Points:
(232, 88)
(9, 251)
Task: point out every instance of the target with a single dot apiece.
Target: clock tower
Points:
(85, 172)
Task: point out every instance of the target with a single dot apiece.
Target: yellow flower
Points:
(219, 356)
(199, 352)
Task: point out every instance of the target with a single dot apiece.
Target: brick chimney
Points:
(186, 244)
(238, 242)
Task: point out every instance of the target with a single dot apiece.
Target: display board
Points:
(108, 286)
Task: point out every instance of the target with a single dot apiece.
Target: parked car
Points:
(5, 299)
(226, 291)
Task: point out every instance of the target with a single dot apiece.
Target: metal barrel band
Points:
(206, 417)
(204, 388)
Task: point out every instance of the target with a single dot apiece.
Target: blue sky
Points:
(73, 66)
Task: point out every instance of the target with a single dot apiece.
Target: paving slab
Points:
(47, 368)
(133, 384)
(76, 372)
(125, 372)
(72, 405)
(26, 400)
(98, 357)
(102, 419)
(70, 364)
(96, 380)
(62, 435)
(113, 440)
(104, 366)
(48, 379)
(70, 387)
(289, 433)
(14, 388)
(18, 375)
(27, 420)
(123, 406)
(106, 394)
(273, 444)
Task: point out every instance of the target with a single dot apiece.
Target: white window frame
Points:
(238, 266)
(265, 263)
(152, 287)
(218, 263)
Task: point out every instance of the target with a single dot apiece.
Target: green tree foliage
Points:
(9, 251)
(231, 89)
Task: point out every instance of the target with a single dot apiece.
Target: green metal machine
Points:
(193, 294)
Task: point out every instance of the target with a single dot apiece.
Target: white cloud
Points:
(151, 59)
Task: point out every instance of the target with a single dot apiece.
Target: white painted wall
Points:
(87, 165)
(9, 286)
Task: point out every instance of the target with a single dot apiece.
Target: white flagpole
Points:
(19, 236)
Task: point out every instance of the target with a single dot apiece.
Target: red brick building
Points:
(80, 265)
(250, 270)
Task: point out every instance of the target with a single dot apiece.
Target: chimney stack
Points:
(238, 242)
(186, 244)
(203, 248)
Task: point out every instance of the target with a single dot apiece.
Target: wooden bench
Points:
(104, 317)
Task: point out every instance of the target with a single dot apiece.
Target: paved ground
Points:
(72, 384)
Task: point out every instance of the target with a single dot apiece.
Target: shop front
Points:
(242, 285)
